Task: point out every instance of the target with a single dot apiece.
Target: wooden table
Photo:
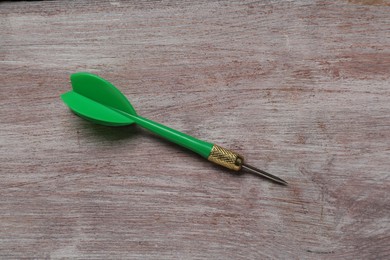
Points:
(301, 88)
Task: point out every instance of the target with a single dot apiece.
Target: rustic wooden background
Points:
(301, 88)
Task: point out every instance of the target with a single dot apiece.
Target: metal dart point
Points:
(263, 174)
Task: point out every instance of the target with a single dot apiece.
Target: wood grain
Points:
(301, 88)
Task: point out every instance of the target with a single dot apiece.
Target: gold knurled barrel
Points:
(226, 158)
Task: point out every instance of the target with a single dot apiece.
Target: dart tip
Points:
(283, 182)
(264, 174)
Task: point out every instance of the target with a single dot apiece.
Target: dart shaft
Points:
(200, 147)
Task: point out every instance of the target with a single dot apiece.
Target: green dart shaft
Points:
(200, 147)
(97, 100)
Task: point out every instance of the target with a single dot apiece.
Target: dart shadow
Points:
(223, 171)
(110, 135)
(102, 133)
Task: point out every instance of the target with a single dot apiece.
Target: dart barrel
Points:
(226, 158)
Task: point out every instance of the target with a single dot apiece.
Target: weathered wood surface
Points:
(301, 88)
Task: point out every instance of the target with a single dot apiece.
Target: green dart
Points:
(97, 100)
